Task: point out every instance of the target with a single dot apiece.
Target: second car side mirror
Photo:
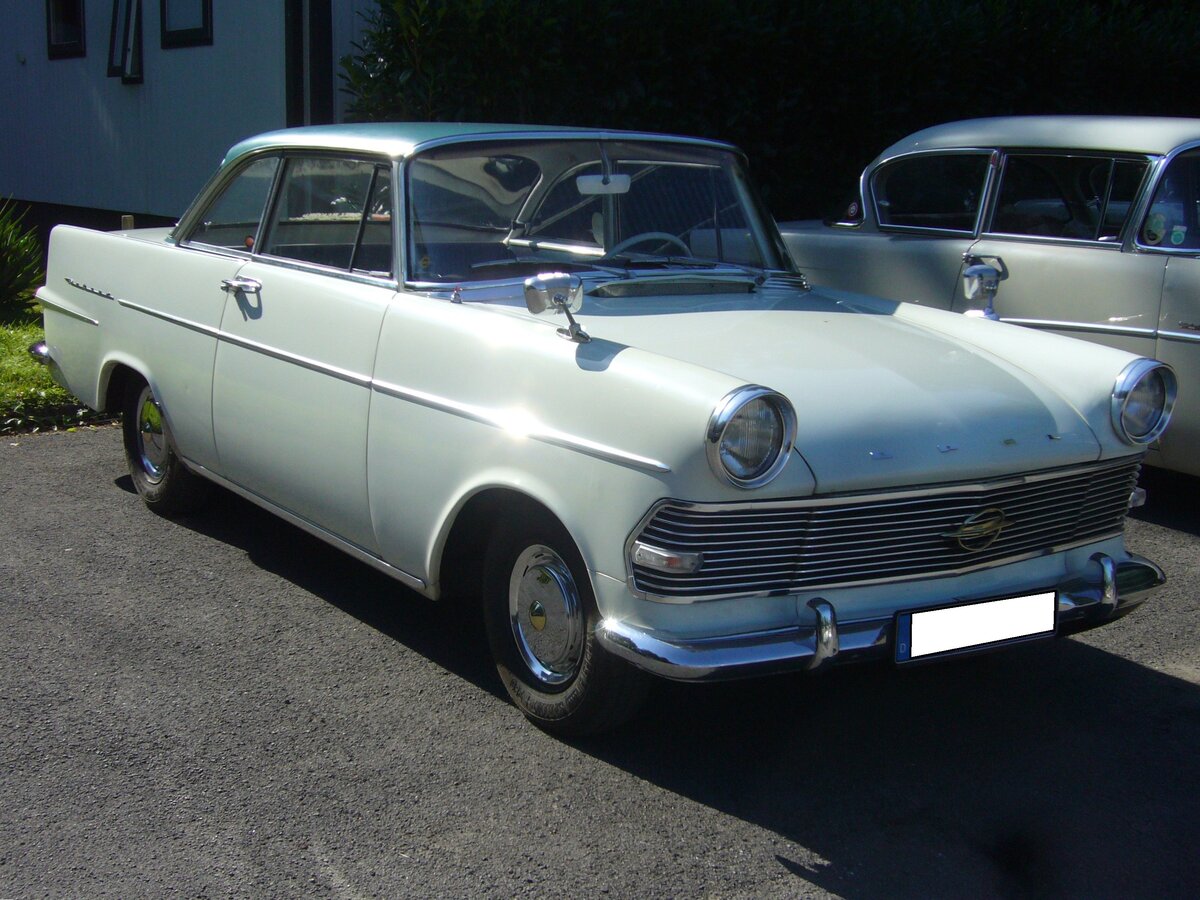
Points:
(981, 282)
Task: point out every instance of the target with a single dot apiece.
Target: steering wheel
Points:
(661, 236)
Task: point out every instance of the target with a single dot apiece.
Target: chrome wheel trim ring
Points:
(153, 443)
(546, 614)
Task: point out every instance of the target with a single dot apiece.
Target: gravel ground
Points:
(223, 706)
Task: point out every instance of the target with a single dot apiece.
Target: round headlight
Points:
(1142, 400)
(750, 436)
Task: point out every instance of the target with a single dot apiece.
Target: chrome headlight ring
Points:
(734, 440)
(1142, 400)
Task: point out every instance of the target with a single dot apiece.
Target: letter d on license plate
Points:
(927, 633)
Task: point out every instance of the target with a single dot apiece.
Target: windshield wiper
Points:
(548, 264)
(629, 262)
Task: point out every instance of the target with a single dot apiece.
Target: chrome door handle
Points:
(244, 285)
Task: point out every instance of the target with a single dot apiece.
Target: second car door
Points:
(1059, 228)
(291, 389)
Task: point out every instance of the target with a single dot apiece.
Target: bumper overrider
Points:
(1112, 589)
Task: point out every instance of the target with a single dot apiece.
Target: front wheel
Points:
(541, 620)
(160, 477)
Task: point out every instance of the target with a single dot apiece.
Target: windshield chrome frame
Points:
(761, 225)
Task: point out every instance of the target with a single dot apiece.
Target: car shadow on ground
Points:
(1170, 500)
(1054, 769)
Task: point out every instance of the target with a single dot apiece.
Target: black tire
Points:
(546, 653)
(160, 477)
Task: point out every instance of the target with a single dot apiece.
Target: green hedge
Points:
(812, 91)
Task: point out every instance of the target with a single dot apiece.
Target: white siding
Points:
(72, 135)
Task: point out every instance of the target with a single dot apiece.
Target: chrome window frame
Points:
(268, 220)
(760, 222)
(872, 174)
(181, 234)
(1150, 188)
(993, 200)
(225, 175)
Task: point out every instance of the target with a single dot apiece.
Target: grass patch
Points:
(30, 400)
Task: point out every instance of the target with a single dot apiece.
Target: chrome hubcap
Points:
(546, 615)
(152, 442)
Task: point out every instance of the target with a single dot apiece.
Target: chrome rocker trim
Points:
(1082, 604)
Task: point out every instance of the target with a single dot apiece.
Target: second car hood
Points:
(880, 400)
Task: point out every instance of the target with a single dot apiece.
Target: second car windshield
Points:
(487, 211)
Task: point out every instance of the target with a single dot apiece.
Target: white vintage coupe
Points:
(574, 373)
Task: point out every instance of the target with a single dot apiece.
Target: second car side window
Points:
(1075, 197)
(936, 191)
(1173, 221)
(334, 213)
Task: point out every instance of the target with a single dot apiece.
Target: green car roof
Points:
(401, 139)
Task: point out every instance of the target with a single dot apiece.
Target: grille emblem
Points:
(979, 531)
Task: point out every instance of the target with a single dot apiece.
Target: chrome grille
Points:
(790, 545)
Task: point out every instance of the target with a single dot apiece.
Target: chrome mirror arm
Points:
(572, 332)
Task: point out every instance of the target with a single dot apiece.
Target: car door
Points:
(291, 387)
(212, 248)
(906, 241)
(1059, 229)
(1171, 230)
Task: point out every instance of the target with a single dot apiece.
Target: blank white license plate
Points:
(933, 632)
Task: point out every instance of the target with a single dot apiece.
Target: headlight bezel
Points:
(724, 415)
(1132, 377)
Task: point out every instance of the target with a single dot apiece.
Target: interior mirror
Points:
(553, 290)
(590, 185)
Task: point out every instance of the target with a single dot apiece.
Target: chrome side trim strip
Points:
(1185, 336)
(312, 528)
(255, 346)
(532, 430)
(174, 320)
(1083, 326)
(67, 311)
(497, 419)
(296, 359)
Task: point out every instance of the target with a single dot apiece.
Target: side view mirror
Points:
(553, 290)
(560, 292)
(980, 284)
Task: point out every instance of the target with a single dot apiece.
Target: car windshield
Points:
(480, 212)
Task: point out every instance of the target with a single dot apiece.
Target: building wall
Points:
(72, 135)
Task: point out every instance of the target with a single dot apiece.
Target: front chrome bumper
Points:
(1082, 604)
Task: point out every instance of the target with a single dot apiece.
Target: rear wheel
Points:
(541, 620)
(162, 480)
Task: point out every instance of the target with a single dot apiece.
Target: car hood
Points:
(881, 399)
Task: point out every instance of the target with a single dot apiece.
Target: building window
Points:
(64, 29)
(186, 23)
(125, 41)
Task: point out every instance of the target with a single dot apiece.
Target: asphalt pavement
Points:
(223, 706)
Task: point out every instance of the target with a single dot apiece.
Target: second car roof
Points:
(1121, 134)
